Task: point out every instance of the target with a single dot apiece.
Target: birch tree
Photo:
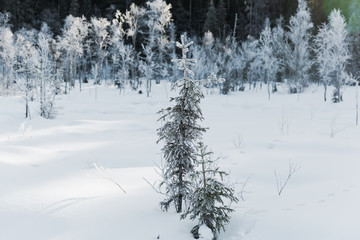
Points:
(333, 53)
(47, 80)
(27, 59)
(270, 64)
(7, 51)
(100, 37)
(71, 43)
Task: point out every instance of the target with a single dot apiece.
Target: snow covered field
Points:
(50, 189)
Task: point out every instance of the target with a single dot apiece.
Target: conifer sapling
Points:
(211, 198)
(181, 131)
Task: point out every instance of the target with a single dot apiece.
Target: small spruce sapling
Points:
(181, 131)
(211, 198)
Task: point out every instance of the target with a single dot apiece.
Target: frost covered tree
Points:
(157, 18)
(232, 66)
(333, 53)
(27, 60)
(133, 18)
(180, 133)
(298, 58)
(7, 51)
(147, 64)
(157, 23)
(209, 61)
(211, 198)
(100, 37)
(71, 43)
(122, 55)
(155, 49)
(250, 49)
(198, 52)
(47, 81)
(280, 47)
(270, 64)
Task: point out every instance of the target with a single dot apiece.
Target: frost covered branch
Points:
(280, 182)
(242, 191)
(106, 174)
(155, 186)
(184, 63)
(238, 142)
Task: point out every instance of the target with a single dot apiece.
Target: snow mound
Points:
(205, 233)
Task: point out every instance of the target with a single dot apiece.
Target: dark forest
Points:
(188, 15)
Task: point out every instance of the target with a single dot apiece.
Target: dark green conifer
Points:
(74, 8)
(221, 18)
(86, 9)
(180, 133)
(211, 22)
(211, 199)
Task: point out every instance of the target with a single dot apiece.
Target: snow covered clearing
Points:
(50, 187)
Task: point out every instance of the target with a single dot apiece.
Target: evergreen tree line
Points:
(189, 15)
(137, 46)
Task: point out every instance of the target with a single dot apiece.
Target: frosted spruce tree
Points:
(211, 198)
(180, 133)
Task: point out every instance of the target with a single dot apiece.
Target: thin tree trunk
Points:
(27, 111)
(357, 103)
(41, 90)
(268, 86)
(180, 196)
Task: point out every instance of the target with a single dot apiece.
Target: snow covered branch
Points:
(106, 174)
(280, 182)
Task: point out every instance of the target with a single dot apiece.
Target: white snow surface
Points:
(50, 189)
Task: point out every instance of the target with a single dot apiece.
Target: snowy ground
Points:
(50, 189)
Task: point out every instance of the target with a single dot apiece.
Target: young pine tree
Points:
(209, 203)
(180, 133)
